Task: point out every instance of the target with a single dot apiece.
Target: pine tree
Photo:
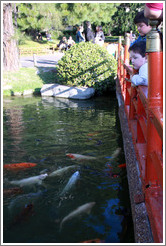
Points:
(38, 17)
(77, 13)
(123, 19)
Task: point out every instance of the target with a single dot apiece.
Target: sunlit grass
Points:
(31, 43)
(26, 79)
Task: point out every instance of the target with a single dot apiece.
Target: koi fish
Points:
(12, 191)
(92, 134)
(15, 166)
(122, 165)
(21, 200)
(114, 175)
(116, 153)
(71, 182)
(62, 171)
(30, 181)
(80, 157)
(24, 215)
(96, 240)
(83, 209)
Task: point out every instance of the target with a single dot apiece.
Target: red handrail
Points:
(144, 110)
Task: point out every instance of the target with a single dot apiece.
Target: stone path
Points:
(42, 61)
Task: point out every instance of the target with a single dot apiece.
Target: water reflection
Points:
(43, 131)
(67, 103)
(15, 125)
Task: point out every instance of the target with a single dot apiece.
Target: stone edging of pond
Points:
(63, 91)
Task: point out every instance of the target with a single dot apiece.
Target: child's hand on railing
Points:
(128, 67)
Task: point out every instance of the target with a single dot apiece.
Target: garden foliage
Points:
(87, 64)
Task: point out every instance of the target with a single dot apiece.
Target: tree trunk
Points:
(10, 49)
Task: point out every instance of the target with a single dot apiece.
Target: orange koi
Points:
(15, 166)
(92, 134)
(12, 191)
(122, 165)
(97, 240)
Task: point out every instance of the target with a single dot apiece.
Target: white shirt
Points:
(142, 77)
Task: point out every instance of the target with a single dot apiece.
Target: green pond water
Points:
(42, 131)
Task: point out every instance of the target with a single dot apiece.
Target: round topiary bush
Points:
(87, 64)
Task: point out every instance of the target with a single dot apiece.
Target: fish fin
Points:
(60, 227)
(39, 182)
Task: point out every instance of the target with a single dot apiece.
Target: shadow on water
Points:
(43, 131)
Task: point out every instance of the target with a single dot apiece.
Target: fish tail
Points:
(60, 227)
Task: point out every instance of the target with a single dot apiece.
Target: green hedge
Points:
(88, 64)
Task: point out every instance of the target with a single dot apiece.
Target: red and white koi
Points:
(80, 157)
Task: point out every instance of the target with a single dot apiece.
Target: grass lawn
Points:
(38, 44)
(26, 79)
(111, 39)
(31, 47)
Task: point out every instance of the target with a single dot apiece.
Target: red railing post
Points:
(121, 67)
(125, 73)
(154, 168)
(155, 97)
(119, 58)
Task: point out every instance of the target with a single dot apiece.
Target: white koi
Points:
(71, 182)
(62, 171)
(30, 181)
(83, 209)
(116, 153)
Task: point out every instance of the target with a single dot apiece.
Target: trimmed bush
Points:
(88, 64)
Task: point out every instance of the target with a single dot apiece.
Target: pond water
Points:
(43, 131)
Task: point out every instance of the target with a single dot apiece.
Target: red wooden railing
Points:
(144, 110)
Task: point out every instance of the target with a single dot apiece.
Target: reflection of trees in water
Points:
(16, 129)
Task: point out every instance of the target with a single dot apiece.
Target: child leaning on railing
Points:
(139, 61)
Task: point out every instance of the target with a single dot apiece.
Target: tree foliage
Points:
(116, 18)
(38, 17)
(77, 13)
(123, 18)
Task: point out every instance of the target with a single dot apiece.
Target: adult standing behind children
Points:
(142, 25)
(89, 35)
(79, 35)
(99, 37)
(154, 11)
